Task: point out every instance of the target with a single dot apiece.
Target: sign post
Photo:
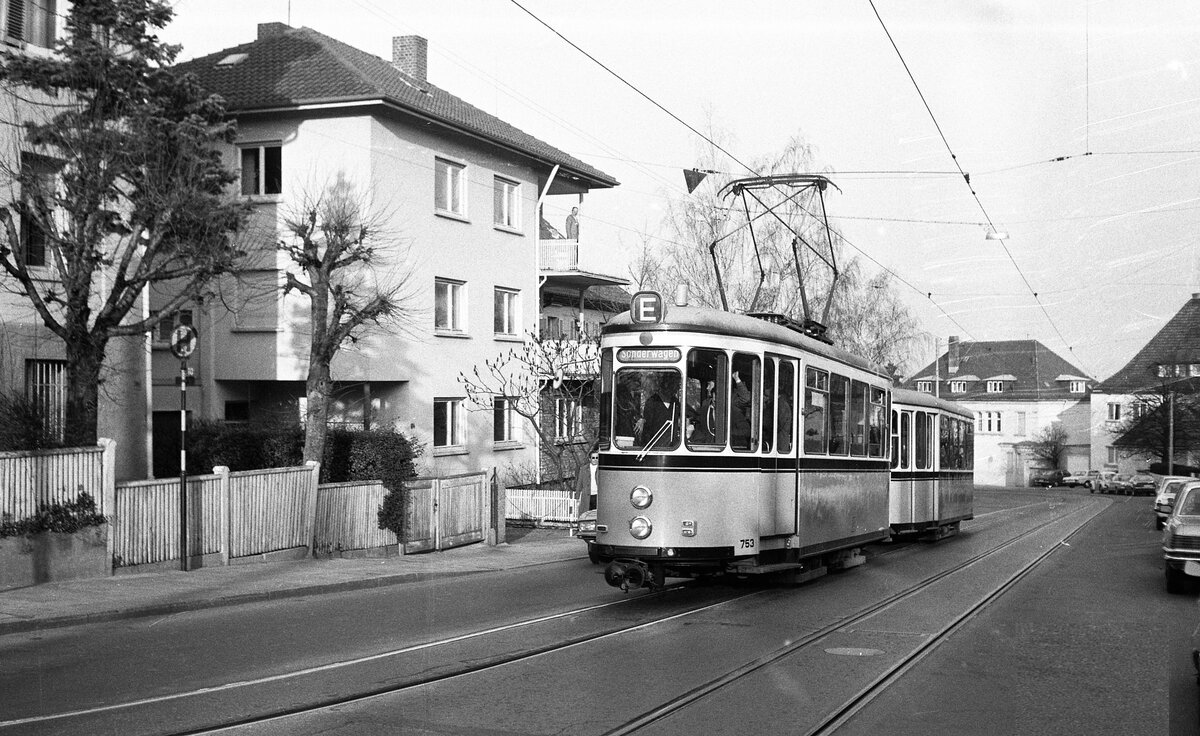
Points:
(183, 344)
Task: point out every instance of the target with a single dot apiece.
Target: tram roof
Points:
(929, 401)
(716, 322)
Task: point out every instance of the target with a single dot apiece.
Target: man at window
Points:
(658, 419)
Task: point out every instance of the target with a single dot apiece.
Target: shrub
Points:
(66, 518)
(391, 511)
(22, 425)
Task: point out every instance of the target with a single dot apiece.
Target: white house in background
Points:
(463, 191)
(1015, 389)
(1172, 356)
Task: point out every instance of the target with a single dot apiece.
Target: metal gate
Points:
(446, 512)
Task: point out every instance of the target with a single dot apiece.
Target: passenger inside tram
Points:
(647, 409)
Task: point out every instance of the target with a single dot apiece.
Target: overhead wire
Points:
(722, 149)
(967, 178)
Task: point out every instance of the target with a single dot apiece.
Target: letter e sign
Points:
(646, 307)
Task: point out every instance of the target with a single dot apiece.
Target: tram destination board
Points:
(648, 355)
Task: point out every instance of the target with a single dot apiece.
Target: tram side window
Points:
(947, 455)
(787, 415)
(895, 441)
(858, 418)
(905, 423)
(647, 409)
(839, 417)
(816, 406)
(707, 389)
(606, 394)
(968, 444)
(877, 422)
(921, 441)
(768, 411)
(745, 402)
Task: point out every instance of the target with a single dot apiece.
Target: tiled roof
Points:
(296, 67)
(1030, 370)
(1177, 343)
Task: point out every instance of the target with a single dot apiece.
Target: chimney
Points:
(410, 54)
(952, 354)
(267, 30)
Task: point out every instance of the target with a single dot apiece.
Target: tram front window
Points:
(646, 410)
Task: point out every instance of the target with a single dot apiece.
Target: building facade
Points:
(1015, 389)
(1168, 364)
(461, 196)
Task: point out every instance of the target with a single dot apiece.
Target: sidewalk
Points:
(152, 594)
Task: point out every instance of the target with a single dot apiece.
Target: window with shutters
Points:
(29, 22)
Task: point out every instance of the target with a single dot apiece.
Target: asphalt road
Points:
(1087, 642)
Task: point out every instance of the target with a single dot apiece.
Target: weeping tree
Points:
(117, 186)
(340, 252)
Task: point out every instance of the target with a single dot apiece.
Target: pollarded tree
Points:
(120, 187)
(340, 251)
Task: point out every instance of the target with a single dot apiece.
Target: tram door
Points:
(777, 503)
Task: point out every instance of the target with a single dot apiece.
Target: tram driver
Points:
(659, 421)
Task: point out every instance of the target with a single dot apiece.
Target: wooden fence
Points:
(244, 515)
(540, 505)
(30, 479)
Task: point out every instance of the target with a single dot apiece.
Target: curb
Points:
(163, 609)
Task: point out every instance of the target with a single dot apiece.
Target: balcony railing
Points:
(559, 255)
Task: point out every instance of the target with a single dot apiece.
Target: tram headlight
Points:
(641, 497)
(640, 527)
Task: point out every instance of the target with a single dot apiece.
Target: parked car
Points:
(1164, 500)
(1050, 479)
(1120, 483)
(1142, 484)
(1181, 539)
(587, 532)
(1098, 480)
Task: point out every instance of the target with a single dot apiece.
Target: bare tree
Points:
(767, 267)
(533, 380)
(1050, 444)
(338, 248)
(118, 186)
(1164, 418)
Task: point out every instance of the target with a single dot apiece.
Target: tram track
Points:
(841, 714)
(465, 668)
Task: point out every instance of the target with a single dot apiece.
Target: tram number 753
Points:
(747, 543)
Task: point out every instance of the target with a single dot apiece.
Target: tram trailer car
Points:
(735, 444)
(932, 483)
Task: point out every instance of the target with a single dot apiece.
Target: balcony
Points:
(564, 263)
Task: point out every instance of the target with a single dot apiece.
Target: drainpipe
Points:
(541, 280)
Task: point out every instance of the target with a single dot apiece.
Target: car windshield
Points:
(1189, 505)
(1174, 486)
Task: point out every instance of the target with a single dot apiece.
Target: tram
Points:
(932, 480)
(736, 444)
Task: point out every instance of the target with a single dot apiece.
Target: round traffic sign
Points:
(183, 341)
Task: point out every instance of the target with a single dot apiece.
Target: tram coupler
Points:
(626, 574)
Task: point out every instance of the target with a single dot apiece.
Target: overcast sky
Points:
(1078, 122)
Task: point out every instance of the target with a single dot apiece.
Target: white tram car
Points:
(932, 487)
(735, 444)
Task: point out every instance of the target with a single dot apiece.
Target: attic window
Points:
(232, 59)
